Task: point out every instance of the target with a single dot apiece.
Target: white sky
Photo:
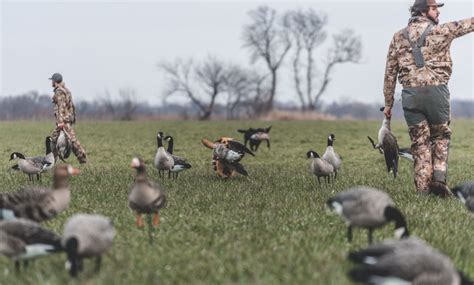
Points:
(100, 45)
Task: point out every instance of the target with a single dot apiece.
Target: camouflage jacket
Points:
(436, 54)
(64, 109)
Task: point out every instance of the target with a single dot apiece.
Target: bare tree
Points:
(193, 82)
(128, 104)
(268, 40)
(307, 31)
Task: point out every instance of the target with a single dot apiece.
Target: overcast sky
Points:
(100, 45)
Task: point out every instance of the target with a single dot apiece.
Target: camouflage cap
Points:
(57, 77)
(427, 3)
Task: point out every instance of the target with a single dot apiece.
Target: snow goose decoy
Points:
(180, 163)
(320, 167)
(145, 196)
(387, 144)
(407, 261)
(227, 154)
(368, 208)
(21, 239)
(30, 165)
(255, 137)
(86, 236)
(465, 193)
(332, 156)
(163, 160)
(39, 203)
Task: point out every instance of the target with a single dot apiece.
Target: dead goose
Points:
(39, 203)
(227, 154)
(368, 208)
(387, 144)
(406, 154)
(145, 196)
(163, 160)
(407, 261)
(465, 193)
(86, 236)
(320, 167)
(22, 239)
(332, 156)
(63, 146)
(30, 165)
(180, 163)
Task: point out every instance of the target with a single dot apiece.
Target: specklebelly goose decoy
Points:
(145, 196)
(320, 167)
(387, 144)
(180, 163)
(332, 156)
(406, 261)
(21, 239)
(256, 136)
(86, 236)
(40, 203)
(368, 208)
(163, 160)
(227, 154)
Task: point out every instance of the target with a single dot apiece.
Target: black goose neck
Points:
(393, 214)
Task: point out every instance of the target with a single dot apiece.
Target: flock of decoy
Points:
(405, 260)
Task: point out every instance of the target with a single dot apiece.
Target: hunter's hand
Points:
(61, 125)
(387, 111)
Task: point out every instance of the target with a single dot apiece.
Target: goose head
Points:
(137, 163)
(393, 214)
(331, 139)
(61, 173)
(16, 155)
(159, 139)
(312, 154)
(48, 143)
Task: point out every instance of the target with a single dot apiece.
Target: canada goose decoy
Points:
(63, 146)
(163, 160)
(465, 193)
(332, 156)
(48, 158)
(21, 239)
(180, 163)
(227, 154)
(387, 144)
(39, 203)
(256, 136)
(86, 236)
(407, 261)
(368, 208)
(320, 167)
(145, 196)
(30, 165)
(406, 154)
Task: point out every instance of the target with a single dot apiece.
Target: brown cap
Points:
(427, 3)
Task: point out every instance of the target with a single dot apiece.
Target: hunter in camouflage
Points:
(65, 114)
(419, 55)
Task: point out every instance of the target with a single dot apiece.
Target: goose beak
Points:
(135, 163)
(73, 171)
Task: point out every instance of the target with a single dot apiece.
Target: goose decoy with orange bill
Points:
(41, 203)
(180, 163)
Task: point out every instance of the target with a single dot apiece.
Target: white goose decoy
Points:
(465, 193)
(320, 167)
(180, 163)
(39, 203)
(22, 239)
(387, 144)
(86, 236)
(407, 261)
(163, 160)
(145, 196)
(368, 208)
(332, 156)
(30, 165)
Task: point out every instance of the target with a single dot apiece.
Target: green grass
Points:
(270, 228)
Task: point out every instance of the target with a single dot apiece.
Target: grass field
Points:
(270, 228)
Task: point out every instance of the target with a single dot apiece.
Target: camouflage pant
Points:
(427, 113)
(77, 149)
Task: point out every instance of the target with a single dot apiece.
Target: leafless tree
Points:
(201, 83)
(268, 39)
(307, 32)
(128, 104)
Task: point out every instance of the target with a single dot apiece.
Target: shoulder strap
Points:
(416, 47)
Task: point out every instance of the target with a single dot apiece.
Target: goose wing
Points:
(30, 232)
(236, 146)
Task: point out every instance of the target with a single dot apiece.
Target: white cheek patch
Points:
(461, 197)
(399, 233)
(337, 207)
(370, 260)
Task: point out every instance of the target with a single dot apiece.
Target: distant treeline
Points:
(33, 106)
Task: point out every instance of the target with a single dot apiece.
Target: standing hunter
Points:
(65, 114)
(420, 56)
